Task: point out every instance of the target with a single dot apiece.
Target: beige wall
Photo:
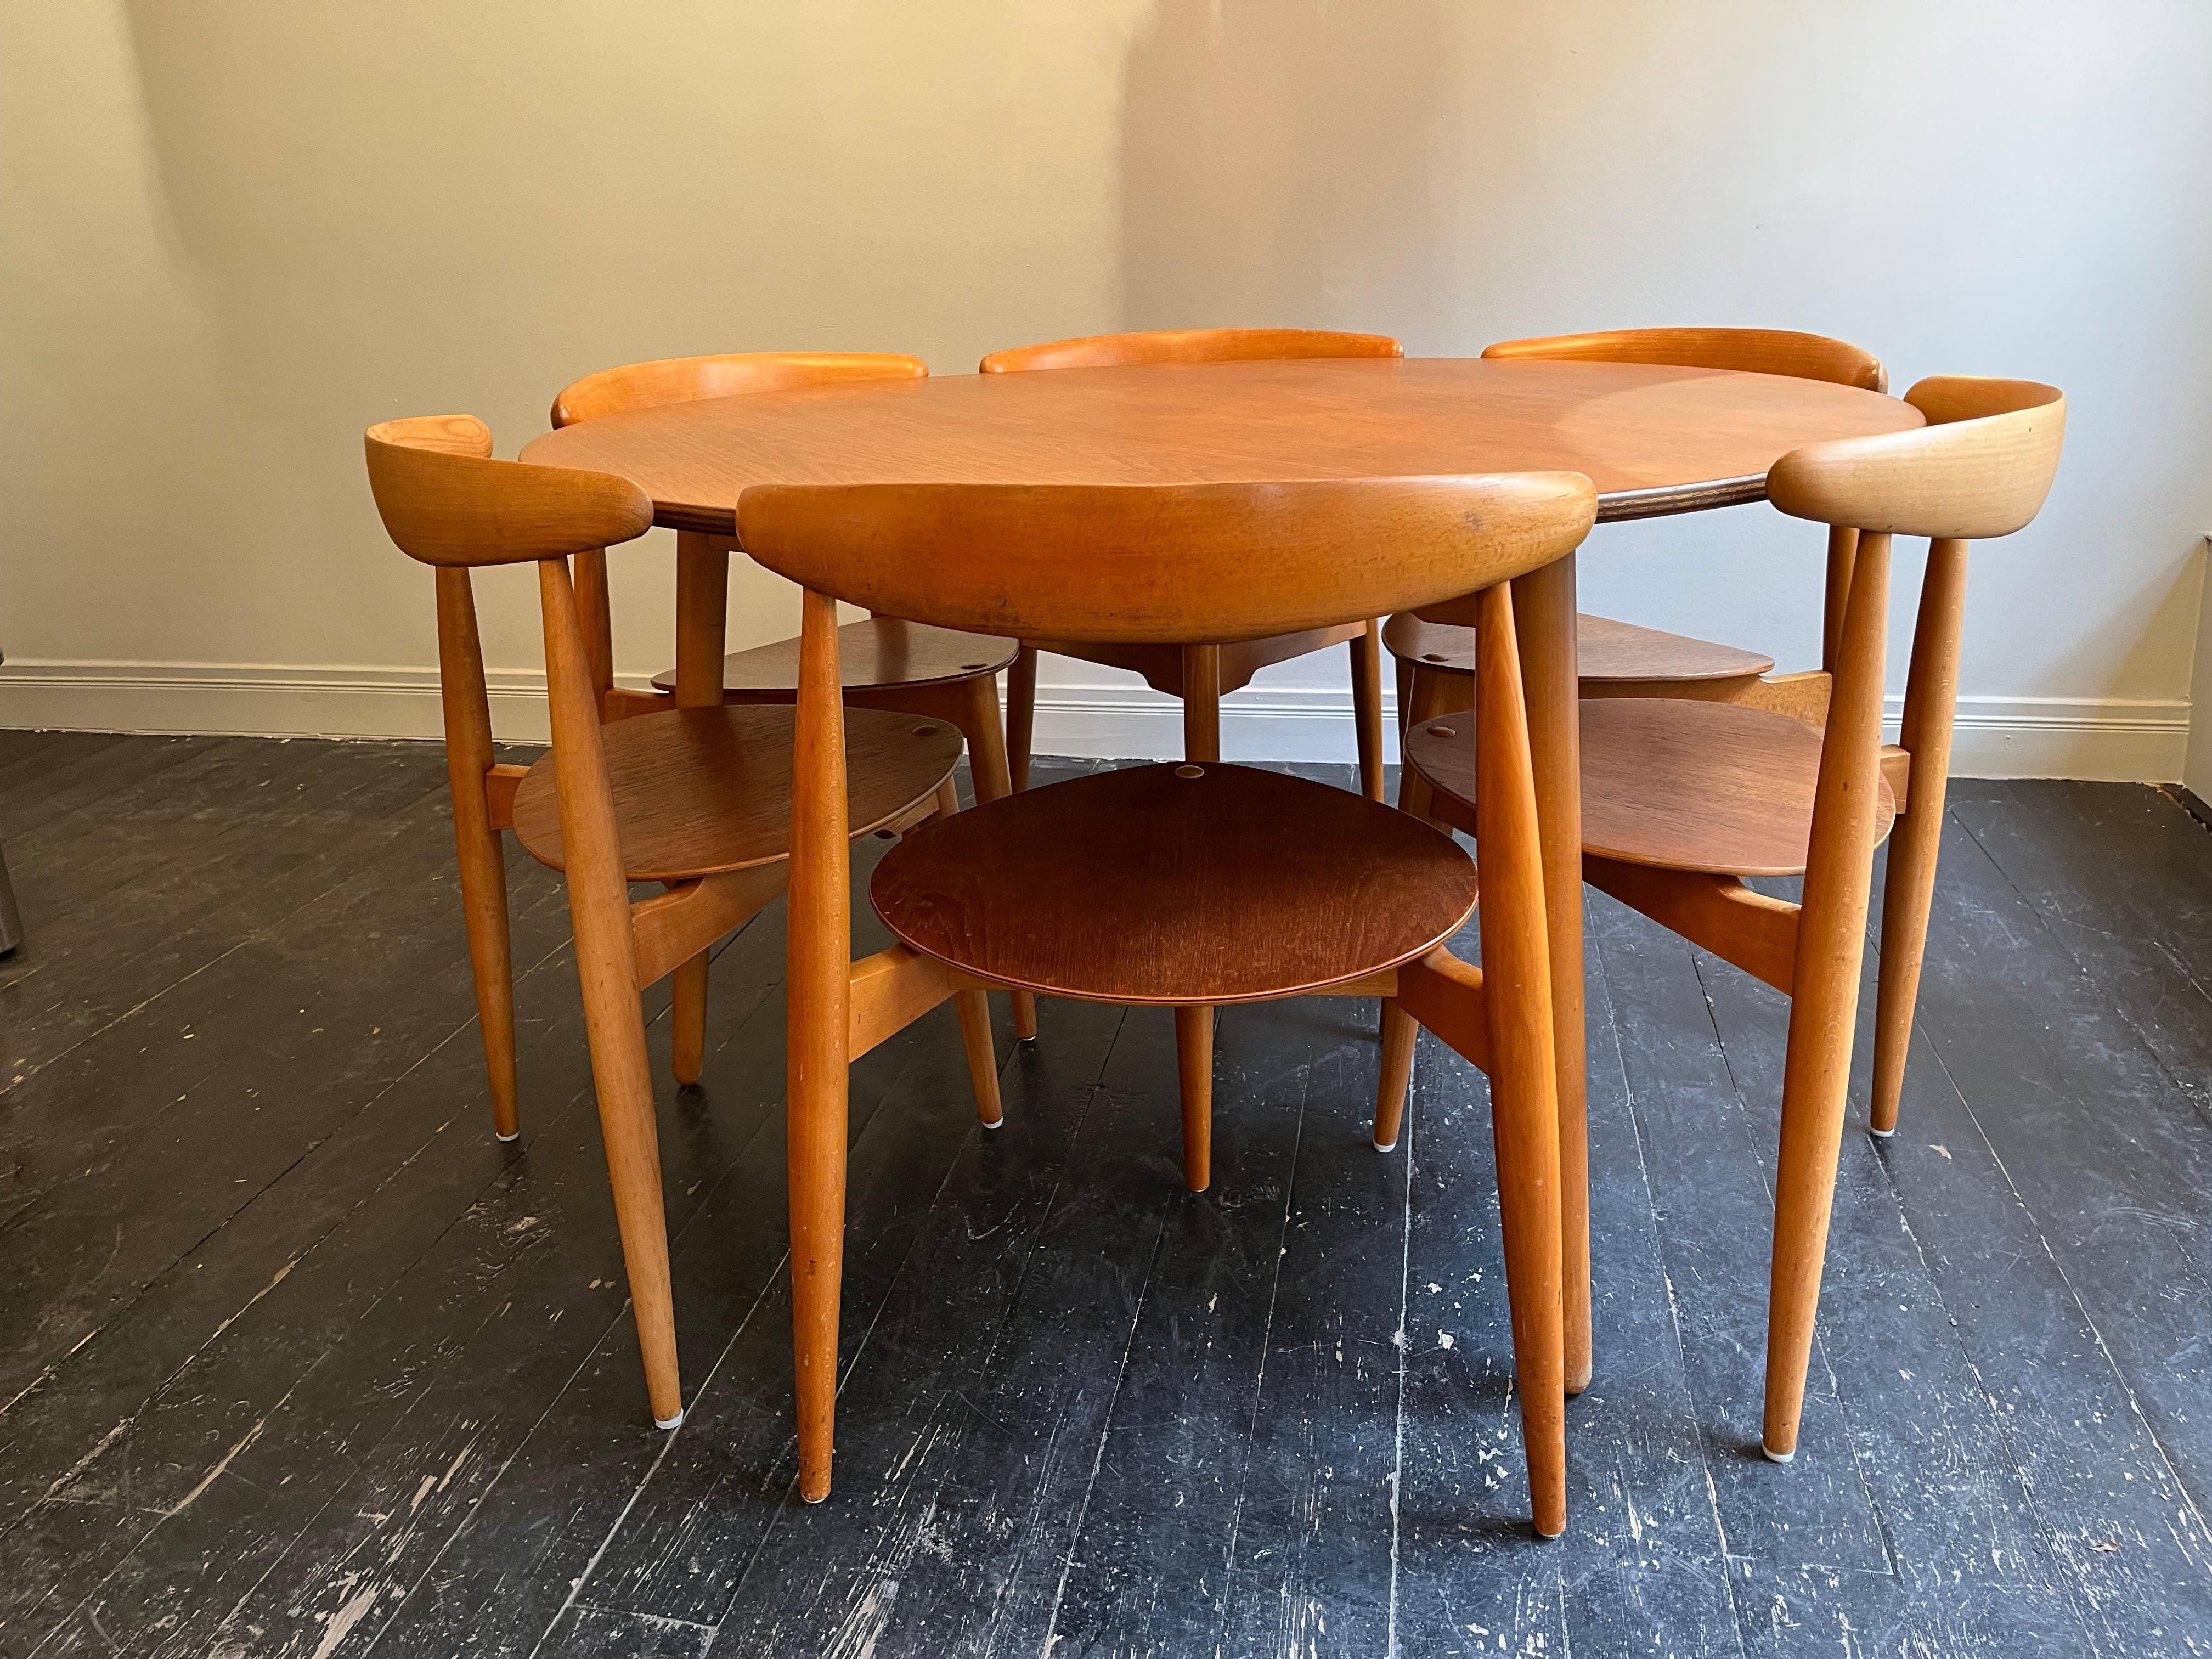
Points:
(234, 232)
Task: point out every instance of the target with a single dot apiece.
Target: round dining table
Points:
(1654, 440)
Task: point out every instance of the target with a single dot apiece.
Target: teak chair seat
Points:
(875, 653)
(698, 792)
(906, 667)
(1652, 767)
(697, 798)
(1713, 787)
(1191, 884)
(1201, 674)
(1041, 889)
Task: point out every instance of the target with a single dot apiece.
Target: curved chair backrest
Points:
(688, 379)
(445, 501)
(1166, 564)
(1979, 468)
(1190, 345)
(1754, 350)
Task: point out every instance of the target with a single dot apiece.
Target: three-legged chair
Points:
(1684, 798)
(1187, 886)
(697, 800)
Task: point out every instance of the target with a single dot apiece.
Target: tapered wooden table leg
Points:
(988, 762)
(1367, 708)
(1544, 614)
(1021, 714)
(702, 595)
(1195, 1071)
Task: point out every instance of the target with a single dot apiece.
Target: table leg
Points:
(1544, 618)
(702, 600)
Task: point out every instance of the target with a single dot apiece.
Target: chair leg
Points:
(1523, 1078)
(491, 963)
(687, 1019)
(974, 1009)
(987, 761)
(819, 968)
(477, 843)
(1430, 696)
(1021, 714)
(1367, 708)
(607, 966)
(1931, 696)
(1824, 998)
(1194, 1072)
(702, 603)
(1400, 1030)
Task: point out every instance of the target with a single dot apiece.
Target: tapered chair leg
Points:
(687, 1019)
(1824, 999)
(974, 1009)
(1367, 708)
(1021, 714)
(1523, 1076)
(1430, 696)
(1194, 1072)
(819, 967)
(1399, 1032)
(1931, 697)
(988, 762)
(607, 966)
(482, 858)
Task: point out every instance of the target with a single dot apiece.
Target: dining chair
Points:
(902, 666)
(696, 799)
(1200, 675)
(1183, 885)
(1683, 797)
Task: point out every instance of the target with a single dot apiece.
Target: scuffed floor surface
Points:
(296, 1360)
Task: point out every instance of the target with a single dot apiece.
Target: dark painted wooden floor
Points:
(296, 1360)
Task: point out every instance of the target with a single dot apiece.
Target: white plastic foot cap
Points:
(1032, 1038)
(1774, 1456)
(675, 1422)
(1881, 1135)
(495, 1135)
(804, 1498)
(1386, 1145)
(998, 1123)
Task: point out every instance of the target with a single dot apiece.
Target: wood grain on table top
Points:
(1654, 439)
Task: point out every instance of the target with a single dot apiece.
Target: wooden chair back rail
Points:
(1174, 564)
(1752, 350)
(687, 380)
(444, 503)
(1188, 345)
(1980, 468)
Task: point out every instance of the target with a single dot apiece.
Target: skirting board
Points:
(2113, 739)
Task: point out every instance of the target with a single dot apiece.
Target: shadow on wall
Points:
(1277, 167)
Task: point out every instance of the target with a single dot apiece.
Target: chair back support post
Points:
(817, 978)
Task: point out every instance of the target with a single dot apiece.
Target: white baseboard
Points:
(2121, 739)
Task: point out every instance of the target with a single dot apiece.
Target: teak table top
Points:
(1654, 440)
